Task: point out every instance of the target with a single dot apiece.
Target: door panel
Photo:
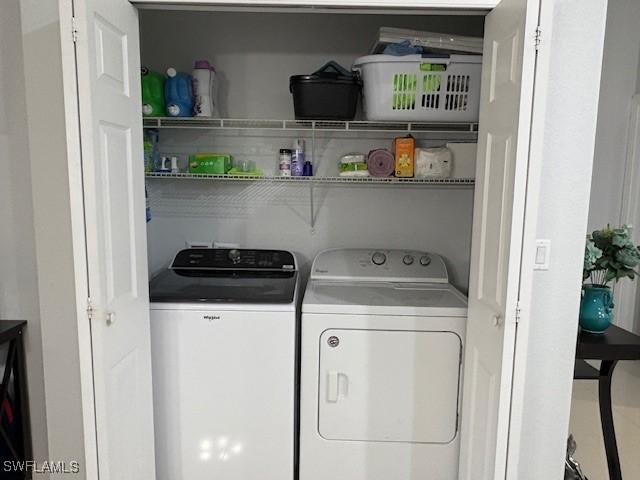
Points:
(501, 179)
(113, 177)
(495, 222)
(389, 386)
(119, 212)
(111, 55)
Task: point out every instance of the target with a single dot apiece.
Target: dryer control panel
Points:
(356, 264)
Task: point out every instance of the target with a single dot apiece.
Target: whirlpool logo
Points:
(211, 318)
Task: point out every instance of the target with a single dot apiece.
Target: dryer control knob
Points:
(378, 258)
(234, 256)
(407, 260)
(425, 260)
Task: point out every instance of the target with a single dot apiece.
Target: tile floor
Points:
(585, 423)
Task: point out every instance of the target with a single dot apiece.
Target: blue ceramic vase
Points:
(596, 308)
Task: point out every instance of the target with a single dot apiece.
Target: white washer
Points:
(223, 343)
(382, 342)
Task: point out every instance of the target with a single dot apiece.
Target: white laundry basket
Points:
(421, 88)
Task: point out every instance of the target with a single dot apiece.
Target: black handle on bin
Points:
(333, 69)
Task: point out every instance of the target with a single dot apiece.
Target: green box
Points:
(211, 163)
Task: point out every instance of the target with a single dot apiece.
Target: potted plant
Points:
(609, 256)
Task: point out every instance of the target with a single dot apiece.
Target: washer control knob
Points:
(425, 260)
(234, 256)
(407, 259)
(378, 258)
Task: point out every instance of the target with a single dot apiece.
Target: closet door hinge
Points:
(74, 30)
(518, 313)
(538, 38)
(90, 309)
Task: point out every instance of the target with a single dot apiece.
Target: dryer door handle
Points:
(337, 386)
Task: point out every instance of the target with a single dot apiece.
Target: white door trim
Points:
(77, 211)
(451, 5)
(536, 142)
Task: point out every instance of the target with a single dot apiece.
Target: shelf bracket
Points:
(312, 209)
(312, 217)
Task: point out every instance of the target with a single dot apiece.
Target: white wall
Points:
(611, 203)
(563, 136)
(18, 285)
(620, 81)
(620, 69)
(278, 216)
(268, 216)
(255, 53)
(255, 65)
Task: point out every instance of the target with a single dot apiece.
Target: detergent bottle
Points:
(205, 90)
(152, 93)
(178, 93)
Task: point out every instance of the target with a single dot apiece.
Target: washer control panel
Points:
(379, 265)
(235, 258)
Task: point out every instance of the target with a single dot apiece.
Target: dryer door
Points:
(389, 386)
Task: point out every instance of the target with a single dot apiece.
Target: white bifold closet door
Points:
(108, 54)
(111, 129)
(501, 181)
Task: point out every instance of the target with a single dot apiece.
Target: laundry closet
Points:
(254, 55)
(473, 218)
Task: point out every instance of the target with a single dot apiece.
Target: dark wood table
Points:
(15, 366)
(610, 347)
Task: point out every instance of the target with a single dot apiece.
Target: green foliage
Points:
(610, 255)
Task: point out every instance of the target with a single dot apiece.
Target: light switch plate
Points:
(543, 254)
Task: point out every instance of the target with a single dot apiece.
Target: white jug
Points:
(205, 90)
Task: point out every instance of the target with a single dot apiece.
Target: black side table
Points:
(610, 347)
(18, 445)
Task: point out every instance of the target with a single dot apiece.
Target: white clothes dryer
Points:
(381, 352)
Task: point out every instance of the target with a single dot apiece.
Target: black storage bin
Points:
(330, 93)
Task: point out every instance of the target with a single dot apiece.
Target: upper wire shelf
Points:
(319, 180)
(317, 125)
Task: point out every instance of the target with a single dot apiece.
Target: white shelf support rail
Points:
(370, 181)
(313, 125)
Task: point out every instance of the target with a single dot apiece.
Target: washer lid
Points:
(378, 298)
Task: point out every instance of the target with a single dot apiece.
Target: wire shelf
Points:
(469, 182)
(317, 125)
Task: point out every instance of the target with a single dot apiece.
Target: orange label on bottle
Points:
(405, 147)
